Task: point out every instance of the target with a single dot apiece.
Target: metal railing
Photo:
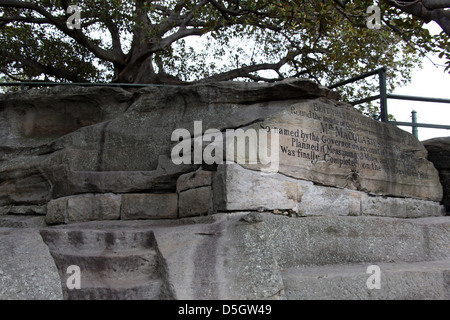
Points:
(384, 96)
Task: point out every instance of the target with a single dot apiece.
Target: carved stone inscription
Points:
(337, 146)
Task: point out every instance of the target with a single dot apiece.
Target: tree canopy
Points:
(181, 41)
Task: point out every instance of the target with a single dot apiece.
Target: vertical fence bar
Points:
(383, 96)
(415, 130)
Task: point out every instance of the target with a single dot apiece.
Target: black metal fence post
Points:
(383, 95)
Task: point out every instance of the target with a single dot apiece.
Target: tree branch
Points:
(115, 37)
(156, 44)
(8, 19)
(341, 3)
(8, 74)
(245, 72)
(418, 9)
(224, 11)
(5, 20)
(60, 24)
(44, 69)
(436, 4)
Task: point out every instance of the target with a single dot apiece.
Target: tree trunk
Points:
(137, 72)
(138, 67)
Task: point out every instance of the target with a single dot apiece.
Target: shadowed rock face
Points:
(439, 155)
(81, 142)
(114, 264)
(69, 140)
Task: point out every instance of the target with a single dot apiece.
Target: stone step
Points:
(108, 264)
(316, 241)
(92, 239)
(418, 281)
(140, 288)
(117, 263)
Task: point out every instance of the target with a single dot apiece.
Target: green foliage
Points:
(251, 40)
(23, 45)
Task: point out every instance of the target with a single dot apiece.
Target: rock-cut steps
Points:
(122, 264)
(423, 280)
(412, 257)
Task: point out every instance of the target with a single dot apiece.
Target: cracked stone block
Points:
(85, 207)
(195, 202)
(199, 178)
(149, 206)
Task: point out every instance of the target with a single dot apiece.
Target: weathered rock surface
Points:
(399, 281)
(27, 270)
(66, 141)
(110, 206)
(195, 197)
(439, 152)
(241, 255)
(439, 155)
(195, 202)
(251, 255)
(238, 189)
(98, 162)
(114, 264)
(84, 208)
(149, 206)
(334, 145)
(22, 221)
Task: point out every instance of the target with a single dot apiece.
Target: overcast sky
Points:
(431, 81)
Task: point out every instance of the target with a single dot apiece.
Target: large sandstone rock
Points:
(31, 119)
(333, 144)
(238, 189)
(439, 155)
(257, 255)
(240, 255)
(63, 141)
(439, 152)
(117, 143)
(336, 205)
(29, 123)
